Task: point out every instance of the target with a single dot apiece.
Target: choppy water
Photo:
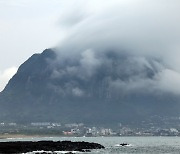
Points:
(138, 144)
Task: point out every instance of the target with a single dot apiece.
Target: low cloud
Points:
(129, 45)
(139, 27)
(168, 80)
(77, 92)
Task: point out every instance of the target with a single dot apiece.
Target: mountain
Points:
(103, 88)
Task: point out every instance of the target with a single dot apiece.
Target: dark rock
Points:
(124, 144)
(29, 146)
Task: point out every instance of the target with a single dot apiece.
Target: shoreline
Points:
(16, 136)
(23, 136)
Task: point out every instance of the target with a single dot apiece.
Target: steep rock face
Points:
(28, 86)
(84, 89)
(34, 70)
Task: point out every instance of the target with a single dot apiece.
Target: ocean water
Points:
(137, 145)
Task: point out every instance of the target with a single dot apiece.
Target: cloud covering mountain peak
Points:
(143, 38)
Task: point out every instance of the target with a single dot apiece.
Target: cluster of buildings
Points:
(89, 132)
(164, 127)
(74, 129)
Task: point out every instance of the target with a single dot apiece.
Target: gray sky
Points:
(141, 27)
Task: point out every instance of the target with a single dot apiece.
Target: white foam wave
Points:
(120, 145)
(58, 152)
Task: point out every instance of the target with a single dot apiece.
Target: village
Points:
(83, 130)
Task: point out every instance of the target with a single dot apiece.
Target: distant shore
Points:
(15, 136)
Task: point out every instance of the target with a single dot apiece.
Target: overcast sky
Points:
(144, 27)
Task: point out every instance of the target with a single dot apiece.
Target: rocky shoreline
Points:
(29, 146)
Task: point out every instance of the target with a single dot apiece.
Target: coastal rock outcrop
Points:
(29, 146)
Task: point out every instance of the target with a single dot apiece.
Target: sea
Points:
(135, 145)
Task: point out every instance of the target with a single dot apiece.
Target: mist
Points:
(132, 46)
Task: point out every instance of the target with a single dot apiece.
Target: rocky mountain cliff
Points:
(92, 88)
